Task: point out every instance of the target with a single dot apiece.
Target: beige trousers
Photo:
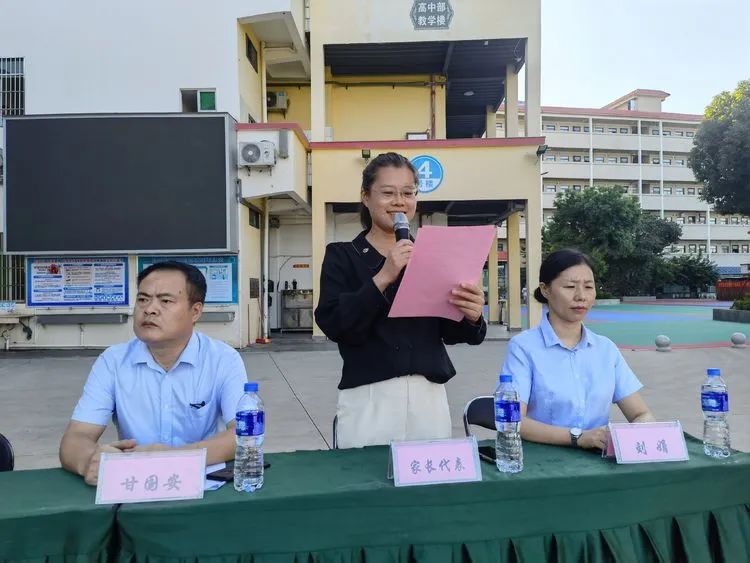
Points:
(402, 408)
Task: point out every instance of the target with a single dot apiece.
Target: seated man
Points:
(165, 388)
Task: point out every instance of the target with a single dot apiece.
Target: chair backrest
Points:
(335, 432)
(6, 454)
(480, 411)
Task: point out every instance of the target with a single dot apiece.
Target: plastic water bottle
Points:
(715, 405)
(251, 427)
(508, 446)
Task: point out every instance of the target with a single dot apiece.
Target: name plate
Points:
(430, 462)
(647, 442)
(151, 476)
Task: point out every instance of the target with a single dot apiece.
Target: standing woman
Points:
(394, 369)
(567, 376)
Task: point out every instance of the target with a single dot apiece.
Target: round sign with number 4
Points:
(429, 172)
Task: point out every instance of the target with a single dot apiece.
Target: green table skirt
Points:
(567, 505)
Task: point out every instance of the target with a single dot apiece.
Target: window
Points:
(564, 188)
(550, 189)
(576, 158)
(598, 129)
(612, 159)
(656, 190)
(598, 159)
(745, 248)
(679, 133)
(12, 87)
(254, 217)
(549, 127)
(713, 249)
(550, 157)
(700, 191)
(564, 158)
(702, 248)
(735, 220)
(679, 190)
(691, 191)
(668, 161)
(679, 220)
(585, 128)
(744, 220)
(735, 249)
(623, 159)
(667, 133)
(576, 188)
(691, 219)
(564, 128)
(624, 130)
(692, 248)
(654, 131)
(198, 100)
(722, 220)
(712, 221)
(612, 129)
(690, 134)
(655, 161)
(701, 219)
(577, 128)
(631, 104)
(587, 158)
(680, 161)
(725, 248)
(251, 53)
(667, 191)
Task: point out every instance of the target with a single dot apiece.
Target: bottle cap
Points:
(505, 378)
(251, 387)
(713, 371)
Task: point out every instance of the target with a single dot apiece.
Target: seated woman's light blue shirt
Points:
(175, 408)
(572, 388)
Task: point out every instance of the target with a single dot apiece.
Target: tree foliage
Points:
(625, 243)
(694, 272)
(719, 157)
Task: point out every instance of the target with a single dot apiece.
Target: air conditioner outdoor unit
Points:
(277, 100)
(260, 153)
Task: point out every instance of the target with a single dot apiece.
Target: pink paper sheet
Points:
(443, 257)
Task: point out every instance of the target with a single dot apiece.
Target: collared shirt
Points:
(573, 388)
(354, 313)
(178, 407)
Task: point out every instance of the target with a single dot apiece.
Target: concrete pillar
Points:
(534, 83)
(514, 272)
(320, 226)
(491, 122)
(533, 255)
(493, 297)
(317, 91)
(511, 102)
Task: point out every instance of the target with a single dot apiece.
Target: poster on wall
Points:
(220, 273)
(77, 282)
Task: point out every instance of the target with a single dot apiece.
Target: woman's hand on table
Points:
(469, 298)
(594, 438)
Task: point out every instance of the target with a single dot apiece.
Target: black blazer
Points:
(352, 312)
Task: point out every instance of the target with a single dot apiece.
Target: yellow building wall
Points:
(250, 266)
(251, 95)
(298, 109)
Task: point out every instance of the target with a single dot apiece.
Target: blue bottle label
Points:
(711, 401)
(251, 423)
(507, 411)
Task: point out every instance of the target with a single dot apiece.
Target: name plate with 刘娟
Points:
(647, 442)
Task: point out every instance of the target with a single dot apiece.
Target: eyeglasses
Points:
(390, 193)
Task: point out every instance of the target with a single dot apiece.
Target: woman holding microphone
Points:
(394, 368)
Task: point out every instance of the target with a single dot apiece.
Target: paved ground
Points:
(39, 389)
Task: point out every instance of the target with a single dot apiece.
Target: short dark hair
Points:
(196, 281)
(369, 174)
(556, 263)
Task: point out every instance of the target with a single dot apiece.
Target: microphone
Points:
(401, 226)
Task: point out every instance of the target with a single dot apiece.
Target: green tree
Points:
(719, 157)
(625, 243)
(695, 272)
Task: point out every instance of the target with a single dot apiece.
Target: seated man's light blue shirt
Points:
(572, 388)
(153, 406)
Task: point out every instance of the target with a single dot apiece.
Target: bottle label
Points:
(251, 423)
(507, 411)
(712, 401)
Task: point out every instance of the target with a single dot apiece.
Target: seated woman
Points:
(567, 376)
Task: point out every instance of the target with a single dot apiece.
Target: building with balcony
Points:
(320, 85)
(632, 143)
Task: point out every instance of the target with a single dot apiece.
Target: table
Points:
(567, 505)
(49, 516)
